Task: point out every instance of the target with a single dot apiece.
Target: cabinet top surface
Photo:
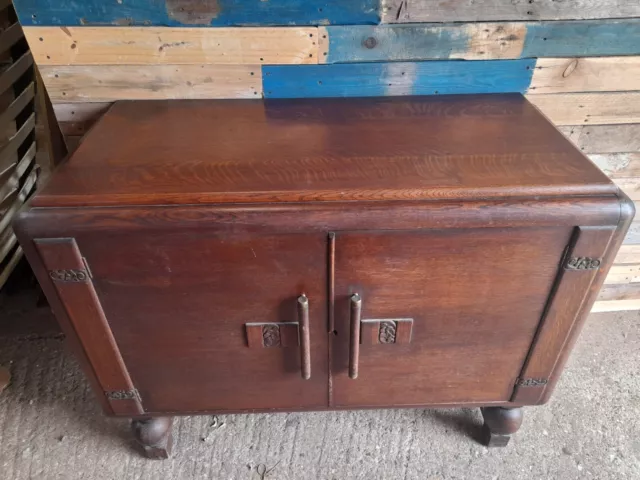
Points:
(363, 149)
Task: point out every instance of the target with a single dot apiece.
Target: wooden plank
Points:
(623, 274)
(628, 254)
(172, 46)
(592, 108)
(14, 71)
(11, 265)
(604, 138)
(478, 41)
(101, 83)
(19, 104)
(615, 305)
(409, 11)
(10, 36)
(630, 291)
(619, 165)
(630, 186)
(471, 41)
(633, 235)
(10, 179)
(380, 79)
(18, 200)
(583, 38)
(80, 112)
(197, 13)
(599, 74)
(8, 152)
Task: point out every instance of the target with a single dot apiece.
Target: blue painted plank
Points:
(364, 43)
(401, 78)
(475, 41)
(193, 13)
(587, 38)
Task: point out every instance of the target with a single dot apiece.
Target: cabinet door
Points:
(178, 304)
(447, 316)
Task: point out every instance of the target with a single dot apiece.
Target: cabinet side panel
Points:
(72, 281)
(579, 269)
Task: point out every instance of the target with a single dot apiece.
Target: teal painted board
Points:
(397, 78)
(587, 38)
(193, 13)
(509, 40)
(363, 43)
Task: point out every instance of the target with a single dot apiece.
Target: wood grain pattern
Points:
(87, 113)
(396, 79)
(471, 41)
(616, 305)
(409, 11)
(85, 312)
(623, 274)
(172, 46)
(604, 138)
(102, 83)
(563, 311)
(408, 141)
(628, 254)
(599, 74)
(591, 108)
(618, 165)
(217, 13)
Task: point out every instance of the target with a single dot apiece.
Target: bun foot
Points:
(153, 436)
(499, 424)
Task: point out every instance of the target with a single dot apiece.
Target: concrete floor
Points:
(51, 428)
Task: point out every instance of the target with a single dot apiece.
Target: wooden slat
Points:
(80, 112)
(628, 254)
(14, 71)
(633, 235)
(381, 43)
(630, 186)
(409, 11)
(11, 265)
(10, 113)
(7, 154)
(599, 74)
(479, 41)
(10, 36)
(101, 83)
(622, 274)
(591, 108)
(399, 78)
(18, 200)
(618, 165)
(615, 305)
(172, 46)
(10, 179)
(604, 138)
(630, 291)
(8, 241)
(197, 12)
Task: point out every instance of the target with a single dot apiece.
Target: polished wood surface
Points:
(181, 152)
(453, 260)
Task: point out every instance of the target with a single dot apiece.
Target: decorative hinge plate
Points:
(123, 394)
(583, 263)
(531, 382)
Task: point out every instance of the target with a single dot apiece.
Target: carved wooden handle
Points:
(354, 351)
(305, 347)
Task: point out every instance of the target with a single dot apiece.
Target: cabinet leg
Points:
(153, 435)
(499, 424)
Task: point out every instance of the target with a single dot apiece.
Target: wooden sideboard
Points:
(243, 256)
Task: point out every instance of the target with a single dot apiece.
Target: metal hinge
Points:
(531, 382)
(123, 394)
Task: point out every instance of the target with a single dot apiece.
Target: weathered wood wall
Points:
(578, 61)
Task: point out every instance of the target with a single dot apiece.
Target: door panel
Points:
(475, 298)
(178, 304)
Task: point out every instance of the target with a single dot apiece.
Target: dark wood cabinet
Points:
(239, 256)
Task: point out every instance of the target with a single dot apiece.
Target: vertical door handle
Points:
(305, 348)
(354, 350)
